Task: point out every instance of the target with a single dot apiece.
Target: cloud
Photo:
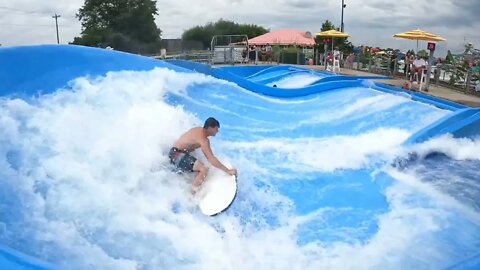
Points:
(370, 22)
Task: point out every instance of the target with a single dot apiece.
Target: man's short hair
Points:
(211, 122)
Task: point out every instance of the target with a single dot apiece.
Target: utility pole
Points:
(56, 16)
(343, 6)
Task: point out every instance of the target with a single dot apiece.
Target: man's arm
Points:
(207, 151)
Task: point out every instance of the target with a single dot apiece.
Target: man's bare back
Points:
(197, 137)
(191, 139)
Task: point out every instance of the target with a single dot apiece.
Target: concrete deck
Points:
(438, 91)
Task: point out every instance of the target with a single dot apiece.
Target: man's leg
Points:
(413, 71)
(419, 75)
(201, 171)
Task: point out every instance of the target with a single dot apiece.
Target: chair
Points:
(423, 78)
(336, 65)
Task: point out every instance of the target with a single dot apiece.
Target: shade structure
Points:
(332, 33)
(284, 37)
(418, 34)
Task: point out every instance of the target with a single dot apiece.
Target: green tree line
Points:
(126, 25)
(343, 44)
(129, 25)
(206, 32)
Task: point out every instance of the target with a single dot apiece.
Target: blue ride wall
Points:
(32, 70)
(463, 123)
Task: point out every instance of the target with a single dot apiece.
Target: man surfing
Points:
(197, 137)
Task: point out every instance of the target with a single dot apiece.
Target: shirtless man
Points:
(197, 137)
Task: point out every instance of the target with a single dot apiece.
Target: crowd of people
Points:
(414, 64)
(265, 53)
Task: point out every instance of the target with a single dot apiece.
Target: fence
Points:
(451, 75)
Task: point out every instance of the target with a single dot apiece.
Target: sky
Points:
(369, 22)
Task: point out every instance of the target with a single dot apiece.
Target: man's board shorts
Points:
(182, 160)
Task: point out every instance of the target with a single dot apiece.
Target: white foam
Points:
(296, 81)
(329, 153)
(457, 148)
(360, 108)
(108, 199)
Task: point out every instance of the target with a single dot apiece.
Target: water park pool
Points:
(335, 172)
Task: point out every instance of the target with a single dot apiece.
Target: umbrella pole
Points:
(417, 46)
(325, 47)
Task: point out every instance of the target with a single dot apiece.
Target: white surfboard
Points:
(217, 192)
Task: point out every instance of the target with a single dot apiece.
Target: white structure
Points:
(228, 48)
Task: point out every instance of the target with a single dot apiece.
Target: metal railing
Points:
(465, 79)
(197, 56)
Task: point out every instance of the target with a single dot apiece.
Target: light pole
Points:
(56, 24)
(343, 6)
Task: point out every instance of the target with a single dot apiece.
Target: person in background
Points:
(418, 66)
(330, 58)
(336, 54)
(349, 60)
(263, 53)
(406, 64)
(393, 62)
(411, 58)
(268, 53)
(245, 55)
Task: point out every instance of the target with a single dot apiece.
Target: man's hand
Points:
(232, 171)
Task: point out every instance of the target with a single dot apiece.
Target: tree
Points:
(343, 44)
(205, 33)
(126, 25)
(422, 53)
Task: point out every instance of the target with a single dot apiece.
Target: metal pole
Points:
(343, 6)
(468, 80)
(429, 69)
(56, 16)
(325, 55)
(437, 74)
(395, 62)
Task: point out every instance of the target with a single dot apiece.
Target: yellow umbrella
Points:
(333, 34)
(419, 35)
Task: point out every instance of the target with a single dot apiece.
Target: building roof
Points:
(284, 37)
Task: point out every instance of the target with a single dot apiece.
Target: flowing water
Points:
(85, 181)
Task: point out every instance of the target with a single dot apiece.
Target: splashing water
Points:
(86, 182)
